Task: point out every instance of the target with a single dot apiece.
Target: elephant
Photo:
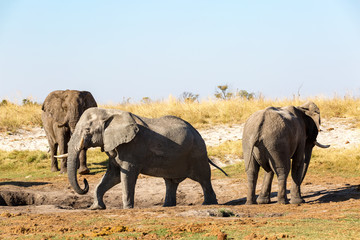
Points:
(271, 138)
(61, 111)
(166, 147)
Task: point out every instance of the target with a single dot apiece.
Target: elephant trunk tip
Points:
(85, 189)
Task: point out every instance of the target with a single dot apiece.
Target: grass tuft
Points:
(29, 165)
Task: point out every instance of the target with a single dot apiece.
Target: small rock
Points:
(222, 236)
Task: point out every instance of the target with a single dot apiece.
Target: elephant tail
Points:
(259, 144)
(212, 163)
(254, 141)
(251, 154)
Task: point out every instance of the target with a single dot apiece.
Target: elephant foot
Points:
(283, 201)
(213, 202)
(97, 206)
(63, 170)
(169, 205)
(210, 200)
(250, 202)
(84, 170)
(297, 200)
(263, 200)
(54, 169)
(128, 206)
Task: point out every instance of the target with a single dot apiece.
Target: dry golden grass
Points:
(336, 161)
(237, 110)
(14, 117)
(199, 114)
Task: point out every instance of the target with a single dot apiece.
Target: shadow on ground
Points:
(23, 184)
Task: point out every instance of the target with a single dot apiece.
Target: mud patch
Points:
(26, 198)
(11, 198)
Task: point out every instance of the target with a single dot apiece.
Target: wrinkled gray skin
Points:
(61, 111)
(166, 147)
(271, 138)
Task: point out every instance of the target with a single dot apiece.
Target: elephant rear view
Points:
(271, 138)
(61, 111)
(166, 147)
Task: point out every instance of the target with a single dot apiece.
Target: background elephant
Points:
(271, 138)
(61, 111)
(166, 147)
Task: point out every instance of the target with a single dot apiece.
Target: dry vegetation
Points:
(14, 116)
(200, 114)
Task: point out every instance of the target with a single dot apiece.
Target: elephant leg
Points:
(110, 179)
(63, 149)
(83, 169)
(280, 164)
(209, 194)
(129, 175)
(171, 188)
(202, 175)
(282, 175)
(252, 176)
(54, 161)
(264, 197)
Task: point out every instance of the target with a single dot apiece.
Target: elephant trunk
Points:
(66, 120)
(72, 124)
(308, 152)
(306, 166)
(72, 160)
(72, 117)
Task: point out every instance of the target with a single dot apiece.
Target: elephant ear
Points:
(118, 129)
(54, 105)
(311, 110)
(312, 120)
(89, 100)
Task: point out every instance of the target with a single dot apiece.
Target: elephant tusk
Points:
(321, 145)
(62, 155)
(81, 146)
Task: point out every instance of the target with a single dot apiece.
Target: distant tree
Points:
(126, 100)
(223, 92)
(28, 101)
(245, 94)
(146, 100)
(4, 102)
(189, 97)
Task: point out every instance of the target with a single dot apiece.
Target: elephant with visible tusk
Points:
(60, 112)
(271, 138)
(166, 147)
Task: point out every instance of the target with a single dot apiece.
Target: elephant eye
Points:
(87, 130)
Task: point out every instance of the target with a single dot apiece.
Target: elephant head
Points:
(98, 128)
(66, 107)
(312, 124)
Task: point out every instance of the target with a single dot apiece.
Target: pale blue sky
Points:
(135, 49)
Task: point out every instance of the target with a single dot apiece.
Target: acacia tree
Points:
(189, 97)
(223, 93)
(245, 94)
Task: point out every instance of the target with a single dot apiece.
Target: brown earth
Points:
(50, 209)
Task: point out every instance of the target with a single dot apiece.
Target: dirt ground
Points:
(52, 209)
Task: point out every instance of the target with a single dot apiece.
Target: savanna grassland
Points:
(199, 114)
(331, 188)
